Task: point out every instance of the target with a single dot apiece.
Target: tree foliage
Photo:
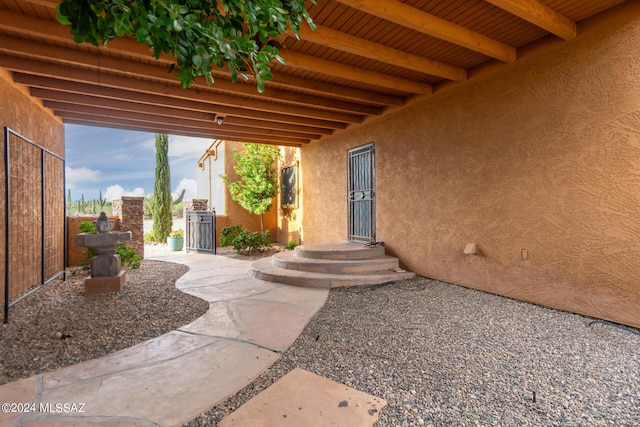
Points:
(199, 34)
(258, 182)
(161, 202)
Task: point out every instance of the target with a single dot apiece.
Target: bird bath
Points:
(106, 275)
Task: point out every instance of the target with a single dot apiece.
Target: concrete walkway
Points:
(171, 379)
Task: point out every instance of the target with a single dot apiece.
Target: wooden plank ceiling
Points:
(366, 58)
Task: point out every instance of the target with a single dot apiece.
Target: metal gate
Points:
(33, 227)
(362, 194)
(201, 232)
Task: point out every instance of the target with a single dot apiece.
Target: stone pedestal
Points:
(105, 267)
(96, 285)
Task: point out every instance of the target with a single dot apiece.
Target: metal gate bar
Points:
(201, 232)
(25, 286)
(361, 194)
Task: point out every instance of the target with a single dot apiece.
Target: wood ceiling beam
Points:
(341, 92)
(426, 23)
(53, 31)
(539, 15)
(100, 63)
(336, 40)
(66, 88)
(132, 111)
(220, 133)
(264, 124)
(169, 89)
(310, 63)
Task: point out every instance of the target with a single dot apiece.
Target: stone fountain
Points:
(106, 275)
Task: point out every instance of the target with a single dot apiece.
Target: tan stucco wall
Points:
(27, 117)
(543, 157)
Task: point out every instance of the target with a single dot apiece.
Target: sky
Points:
(122, 163)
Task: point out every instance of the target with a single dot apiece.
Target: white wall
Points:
(209, 182)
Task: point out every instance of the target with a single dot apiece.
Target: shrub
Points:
(233, 235)
(87, 227)
(291, 245)
(258, 241)
(128, 257)
(242, 240)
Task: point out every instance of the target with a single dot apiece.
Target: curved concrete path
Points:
(171, 379)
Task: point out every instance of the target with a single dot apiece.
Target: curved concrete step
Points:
(265, 270)
(339, 250)
(288, 260)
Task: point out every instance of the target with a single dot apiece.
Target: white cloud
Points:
(185, 147)
(74, 176)
(190, 186)
(116, 191)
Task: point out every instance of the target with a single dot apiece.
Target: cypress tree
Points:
(161, 202)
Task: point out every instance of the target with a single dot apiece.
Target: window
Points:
(289, 186)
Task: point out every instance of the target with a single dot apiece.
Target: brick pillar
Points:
(195, 205)
(199, 204)
(130, 212)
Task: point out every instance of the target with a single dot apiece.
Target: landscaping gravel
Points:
(59, 326)
(444, 355)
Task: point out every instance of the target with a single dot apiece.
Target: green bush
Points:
(235, 236)
(258, 241)
(87, 227)
(243, 241)
(291, 245)
(128, 257)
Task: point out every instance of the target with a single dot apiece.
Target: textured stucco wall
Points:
(26, 116)
(22, 114)
(543, 157)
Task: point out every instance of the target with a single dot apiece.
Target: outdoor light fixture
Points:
(471, 249)
(219, 120)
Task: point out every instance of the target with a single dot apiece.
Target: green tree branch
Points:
(199, 34)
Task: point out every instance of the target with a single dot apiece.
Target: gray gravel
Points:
(59, 326)
(444, 355)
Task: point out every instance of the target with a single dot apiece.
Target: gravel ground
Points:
(59, 326)
(444, 355)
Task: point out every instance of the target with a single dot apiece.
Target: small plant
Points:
(243, 241)
(177, 233)
(87, 227)
(291, 245)
(235, 236)
(128, 257)
(148, 237)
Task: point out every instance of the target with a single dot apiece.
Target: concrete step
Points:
(339, 250)
(265, 270)
(288, 260)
